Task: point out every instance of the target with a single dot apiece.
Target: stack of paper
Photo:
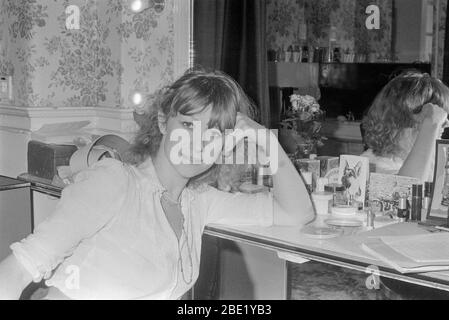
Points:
(412, 254)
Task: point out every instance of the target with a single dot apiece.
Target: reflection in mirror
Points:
(339, 51)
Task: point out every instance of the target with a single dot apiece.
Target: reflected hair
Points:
(395, 107)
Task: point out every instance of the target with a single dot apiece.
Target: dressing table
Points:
(285, 245)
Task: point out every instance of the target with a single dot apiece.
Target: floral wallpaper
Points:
(290, 22)
(114, 52)
(311, 21)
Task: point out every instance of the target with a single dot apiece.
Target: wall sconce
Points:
(138, 99)
(138, 6)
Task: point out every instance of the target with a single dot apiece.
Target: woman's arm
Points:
(85, 208)
(293, 204)
(418, 162)
(292, 201)
(13, 278)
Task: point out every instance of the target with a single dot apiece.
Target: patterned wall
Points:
(113, 53)
(290, 20)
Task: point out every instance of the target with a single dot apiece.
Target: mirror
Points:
(357, 45)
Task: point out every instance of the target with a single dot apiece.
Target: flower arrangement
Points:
(303, 120)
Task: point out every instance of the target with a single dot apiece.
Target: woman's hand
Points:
(248, 128)
(418, 163)
(435, 115)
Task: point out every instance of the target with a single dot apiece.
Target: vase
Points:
(288, 140)
(304, 150)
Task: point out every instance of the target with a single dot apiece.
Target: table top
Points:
(343, 251)
(7, 183)
(41, 185)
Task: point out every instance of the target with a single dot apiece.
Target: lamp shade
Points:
(108, 146)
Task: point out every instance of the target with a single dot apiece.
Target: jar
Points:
(339, 194)
(322, 201)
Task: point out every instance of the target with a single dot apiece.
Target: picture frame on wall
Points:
(439, 206)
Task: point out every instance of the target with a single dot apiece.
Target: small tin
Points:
(339, 194)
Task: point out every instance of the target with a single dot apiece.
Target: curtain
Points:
(229, 35)
(446, 51)
(445, 79)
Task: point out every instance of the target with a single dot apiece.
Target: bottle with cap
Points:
(427, 195)
(264, 177)
(403, 209)
(416, 202)
(370, 216)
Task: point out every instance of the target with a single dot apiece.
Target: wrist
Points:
(430, 123)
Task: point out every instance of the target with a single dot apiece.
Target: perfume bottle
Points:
(305, 54)
(427, 195)
(403, 209)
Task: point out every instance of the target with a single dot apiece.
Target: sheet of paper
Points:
(378, 249)
(422, 248)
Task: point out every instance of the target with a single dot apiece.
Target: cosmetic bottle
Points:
(264, 177)
(416, 202)
(427, 195)
(370, 216)
(305, 54)
(403, 210)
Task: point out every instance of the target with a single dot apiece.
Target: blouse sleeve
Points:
(85, 207)
(238, 208)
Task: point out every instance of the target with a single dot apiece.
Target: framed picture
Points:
(353, 175)
(386, 186)
(438, 209)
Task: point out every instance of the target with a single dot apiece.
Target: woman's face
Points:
(186, 141)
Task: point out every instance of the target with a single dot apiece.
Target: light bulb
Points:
(137, 98)
(137, 5)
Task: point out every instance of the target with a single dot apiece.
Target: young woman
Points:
(404, 121)
(133, 231)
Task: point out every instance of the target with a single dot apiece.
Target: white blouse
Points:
(110, 239)
(386, 165)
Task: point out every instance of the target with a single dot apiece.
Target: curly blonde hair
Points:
(395, 107)
(191, 94)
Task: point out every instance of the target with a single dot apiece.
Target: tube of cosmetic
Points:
(416, 202)
(403, 210)
(427, 195)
